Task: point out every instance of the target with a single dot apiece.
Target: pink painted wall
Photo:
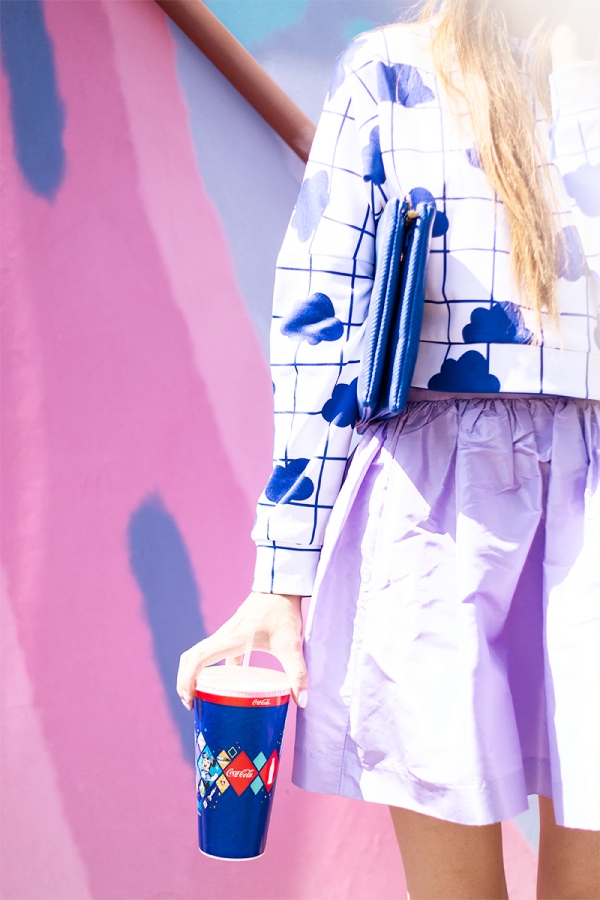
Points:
(122, 416)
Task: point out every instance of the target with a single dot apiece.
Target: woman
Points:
(452, 639)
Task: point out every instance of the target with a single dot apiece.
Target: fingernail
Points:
(186, 700)
(302, 699)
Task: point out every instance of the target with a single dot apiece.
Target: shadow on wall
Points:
(161, 564)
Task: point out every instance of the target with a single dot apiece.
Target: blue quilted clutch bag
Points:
(393, 325)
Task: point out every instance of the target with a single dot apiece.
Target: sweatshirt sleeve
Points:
(323, 284)
(576, 150)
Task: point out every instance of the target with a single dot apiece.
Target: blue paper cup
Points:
(240, 715)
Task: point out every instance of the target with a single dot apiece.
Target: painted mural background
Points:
(143, 203)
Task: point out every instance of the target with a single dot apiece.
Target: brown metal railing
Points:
(243, 72)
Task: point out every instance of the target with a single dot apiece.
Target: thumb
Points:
(292, 660)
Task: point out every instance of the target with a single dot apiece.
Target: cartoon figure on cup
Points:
(207, 762)
(207, 770)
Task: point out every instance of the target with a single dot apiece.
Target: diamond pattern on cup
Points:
(260, 760)
(257, 785)
(268, 773)
(222, 784)
(241, 773)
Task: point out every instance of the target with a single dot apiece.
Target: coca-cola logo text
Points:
(240, 773)
(265, 702)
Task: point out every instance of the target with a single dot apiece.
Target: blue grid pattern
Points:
(387, 130)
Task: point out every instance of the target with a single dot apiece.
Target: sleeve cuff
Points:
(285, 570)
(576, 88)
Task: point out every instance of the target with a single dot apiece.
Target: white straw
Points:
(248, 649)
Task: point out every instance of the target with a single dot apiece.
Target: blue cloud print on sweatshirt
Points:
(583, 185)
(473, 158)
(287, 482)
(470, 373)
(403, 84)
(313, 320)
(502, 323)
(372, 159)
(342, 407)
(339, 73)
(571, 261)
(312, 202)
(422, 195)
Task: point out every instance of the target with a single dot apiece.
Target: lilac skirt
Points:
(453, 639)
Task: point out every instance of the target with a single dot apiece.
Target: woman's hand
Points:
(277, 623)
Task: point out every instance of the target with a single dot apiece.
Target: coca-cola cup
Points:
(240, 714)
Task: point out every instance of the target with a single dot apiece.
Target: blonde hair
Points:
(473, 36)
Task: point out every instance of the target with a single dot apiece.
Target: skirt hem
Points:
(480, 803)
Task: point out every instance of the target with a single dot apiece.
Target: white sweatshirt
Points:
(387, 131)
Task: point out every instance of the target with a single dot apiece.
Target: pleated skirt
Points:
(453, 637)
